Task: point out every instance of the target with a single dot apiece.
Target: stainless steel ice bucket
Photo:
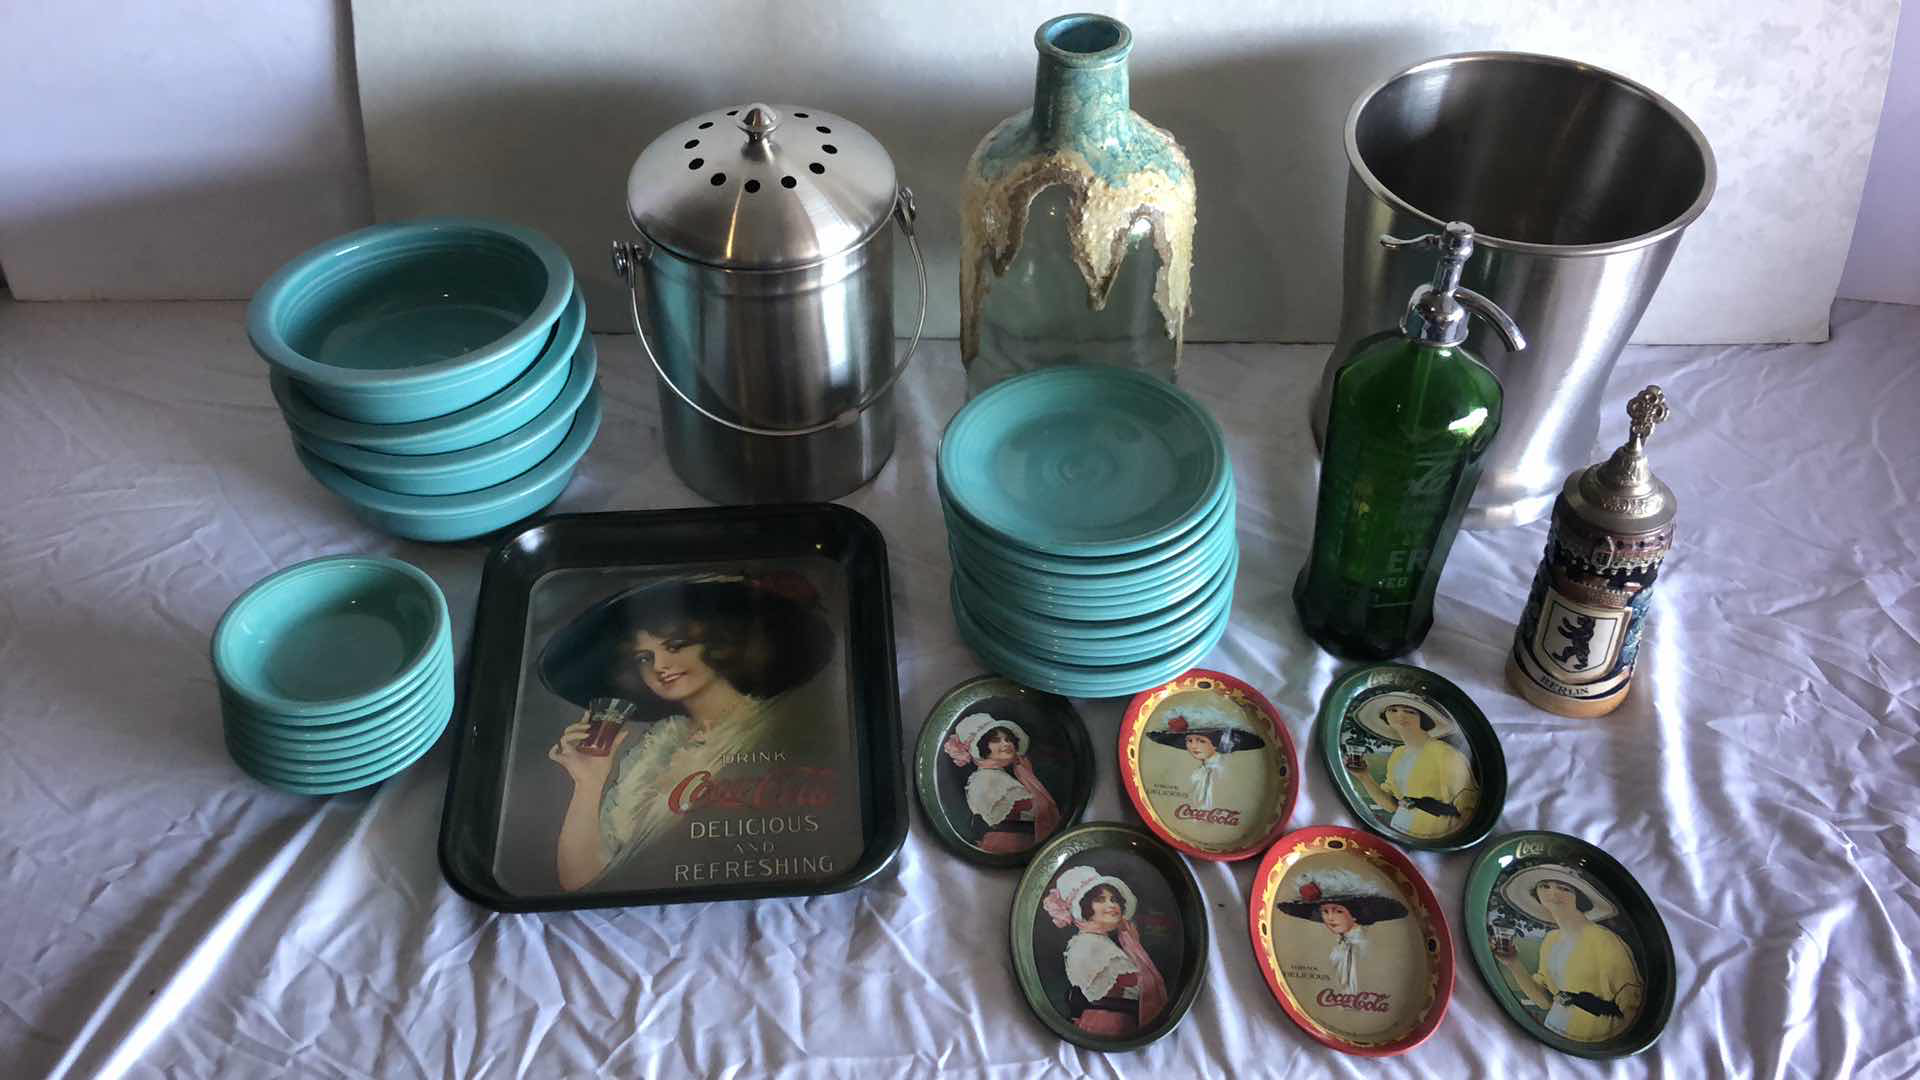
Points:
(1578, 183)
(766, 256)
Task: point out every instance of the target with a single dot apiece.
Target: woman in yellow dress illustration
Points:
(1430, 789)
(1587, 981)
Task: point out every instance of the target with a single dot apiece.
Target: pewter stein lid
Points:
(1621, 495)
(762, 187)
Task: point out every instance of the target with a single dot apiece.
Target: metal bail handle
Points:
(628, 255)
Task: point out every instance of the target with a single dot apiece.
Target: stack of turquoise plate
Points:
(1090, 516)
(335, 673)
(435, 375)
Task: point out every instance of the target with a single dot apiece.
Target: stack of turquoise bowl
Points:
(334, 674)
(1090, 516)
(435, 375)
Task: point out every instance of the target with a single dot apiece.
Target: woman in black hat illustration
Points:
(1209, 733)
(1345, 903)
(703, 657)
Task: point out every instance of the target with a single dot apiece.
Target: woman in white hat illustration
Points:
(1116, 989)
(1587, 980)
(1014, 810)
(1346, 904)
(1210, 734)
(1430, 788)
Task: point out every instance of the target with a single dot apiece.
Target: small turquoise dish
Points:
(397, 323)
(1083, 460)
(507, 409)
(477, 467)
(329, 635)
(1081, 680)
(1090, 605)
(441, 518)
(243, 738)
(424, 741)
(325, 727)
(427, 723)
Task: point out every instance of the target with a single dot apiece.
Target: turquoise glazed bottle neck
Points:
(1080, 96)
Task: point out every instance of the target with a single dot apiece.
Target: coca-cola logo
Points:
(1209, 817)
(1364, 1001)
(776, 789)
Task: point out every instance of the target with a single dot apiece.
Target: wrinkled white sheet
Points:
(162, 914)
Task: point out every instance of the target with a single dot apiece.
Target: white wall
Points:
(183, 150)
(173, 150)
(1885, 261)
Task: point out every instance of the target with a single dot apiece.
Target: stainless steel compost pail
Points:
(767, 257)
(1578, 184)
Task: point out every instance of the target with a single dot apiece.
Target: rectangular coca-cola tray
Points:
(678, 705)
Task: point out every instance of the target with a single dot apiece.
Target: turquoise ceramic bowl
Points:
(320, 783)
(403, 723)
(328, 734)
(1092, 565)
(475, 513)
(1089, 460)
(1031, 634)
(506, 409)
(351, 721)
(1201, 557)
(430, 716)
(397, 323)
(329, 635)
(477, 467)
(1080, 680)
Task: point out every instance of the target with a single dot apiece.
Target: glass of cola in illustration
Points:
(604, 717)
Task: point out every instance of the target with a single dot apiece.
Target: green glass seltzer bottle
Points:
(1413, 413)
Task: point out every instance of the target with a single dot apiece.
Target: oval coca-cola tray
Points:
(1351, 940)
(1209, 765)
(1571, 946)
(678, 705)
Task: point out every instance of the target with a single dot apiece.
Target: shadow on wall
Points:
(554, 154)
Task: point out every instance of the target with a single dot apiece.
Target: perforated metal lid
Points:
(762, 187)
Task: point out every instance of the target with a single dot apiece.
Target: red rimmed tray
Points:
(1209, 765)
(1351, 940)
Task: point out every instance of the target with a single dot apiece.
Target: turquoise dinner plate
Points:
(457, 472)
(1044, 624)
(1088, 460)
(1092, 565)
(1079, 680)
(1206, 553)
(316, 782)
(395, 724)
(505, 410)
(1085, 601)
(329, 635)
(1018, 627)
(475, 513)
(397, 323)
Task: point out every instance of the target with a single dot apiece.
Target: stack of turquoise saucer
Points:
(334, 674)
(436, 375)
(1090, 516)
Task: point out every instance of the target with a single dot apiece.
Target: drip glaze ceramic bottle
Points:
(1077, 222)
(1412, 414)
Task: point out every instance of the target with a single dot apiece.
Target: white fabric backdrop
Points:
(534, 113)
(163, 914)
